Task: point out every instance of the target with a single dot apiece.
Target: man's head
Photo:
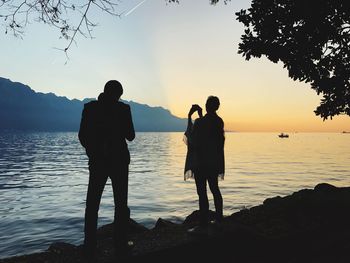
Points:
(212, 104)
(113, 90)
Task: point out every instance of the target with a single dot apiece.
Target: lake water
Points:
(43, 180)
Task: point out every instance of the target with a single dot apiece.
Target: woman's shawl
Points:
(205, 145)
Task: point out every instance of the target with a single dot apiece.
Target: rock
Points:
(135, 227)
(106, 231)
(273, 201)
(61, 247)
(161, 223)
(311, 225)
(193, 218)
(324, 187)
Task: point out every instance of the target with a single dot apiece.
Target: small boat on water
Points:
(283, 135)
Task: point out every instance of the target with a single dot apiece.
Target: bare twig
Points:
(16, 14)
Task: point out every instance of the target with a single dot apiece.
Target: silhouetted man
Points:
(105, 125)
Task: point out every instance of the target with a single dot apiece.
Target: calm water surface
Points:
(43, 180)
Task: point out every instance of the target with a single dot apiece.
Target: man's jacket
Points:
(103, 129)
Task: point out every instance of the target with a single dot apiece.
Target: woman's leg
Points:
(201, 184)
(214, 188)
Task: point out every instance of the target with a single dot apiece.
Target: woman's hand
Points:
(194, 108)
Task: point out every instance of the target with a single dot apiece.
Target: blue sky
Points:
(172, 56)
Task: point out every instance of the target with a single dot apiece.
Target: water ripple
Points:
(44, 176)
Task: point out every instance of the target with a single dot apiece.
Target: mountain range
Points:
(23, 109)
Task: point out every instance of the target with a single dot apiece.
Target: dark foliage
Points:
(312, 40)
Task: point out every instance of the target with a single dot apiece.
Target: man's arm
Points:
(83, 129)
(129, 129)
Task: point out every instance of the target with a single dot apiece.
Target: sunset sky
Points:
(169, 55)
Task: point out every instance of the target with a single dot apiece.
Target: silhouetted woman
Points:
(205, 157)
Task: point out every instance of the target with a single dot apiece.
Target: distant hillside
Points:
(21, 108)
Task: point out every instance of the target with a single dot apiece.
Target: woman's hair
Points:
(212, 104)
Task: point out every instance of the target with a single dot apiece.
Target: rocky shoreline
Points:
(311, 225)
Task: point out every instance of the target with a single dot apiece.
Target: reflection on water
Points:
(43, 180)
